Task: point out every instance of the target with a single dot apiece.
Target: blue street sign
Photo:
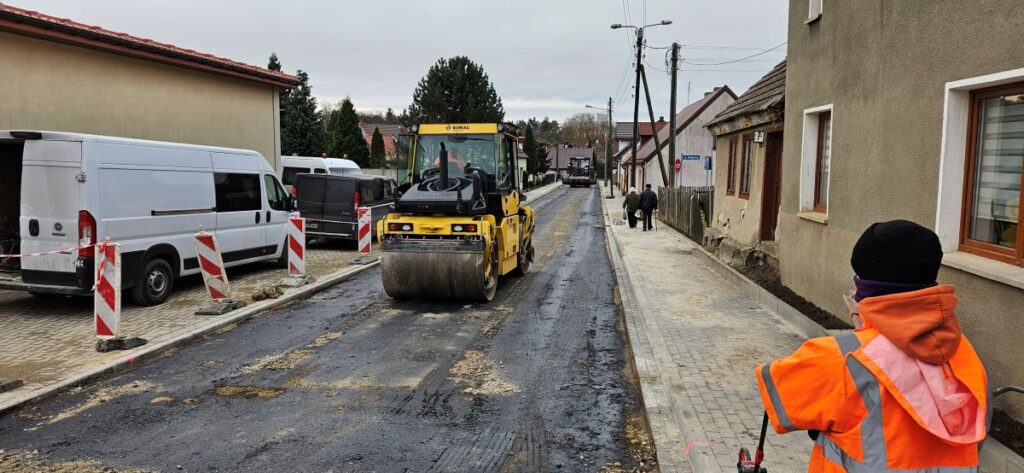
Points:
(691, 157)
(707, 163)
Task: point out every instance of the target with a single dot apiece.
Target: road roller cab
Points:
(461, 221)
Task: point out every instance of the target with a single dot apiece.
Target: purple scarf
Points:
(869, 288)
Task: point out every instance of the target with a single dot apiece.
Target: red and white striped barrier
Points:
(365, 236)
(107, 290)
(296, 246)
(212, 266)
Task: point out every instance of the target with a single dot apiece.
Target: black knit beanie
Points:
(897, 251)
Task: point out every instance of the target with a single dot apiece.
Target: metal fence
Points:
(687, 209)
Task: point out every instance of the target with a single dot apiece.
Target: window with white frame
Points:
(816, 159)
(814, 10)
(981, 162)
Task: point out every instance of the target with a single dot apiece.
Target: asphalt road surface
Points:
(540, 379)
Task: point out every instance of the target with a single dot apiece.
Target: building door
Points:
(771, 191)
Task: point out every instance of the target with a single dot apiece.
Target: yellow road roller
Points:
(461, 221)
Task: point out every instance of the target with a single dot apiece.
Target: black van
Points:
(329, 202)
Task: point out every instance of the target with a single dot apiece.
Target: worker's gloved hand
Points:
(813, 434)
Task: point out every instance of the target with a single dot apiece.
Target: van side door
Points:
(276, 214)
(240, 212)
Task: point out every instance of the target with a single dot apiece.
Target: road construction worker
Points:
(905, 391)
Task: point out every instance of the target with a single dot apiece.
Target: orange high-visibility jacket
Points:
(905, 393)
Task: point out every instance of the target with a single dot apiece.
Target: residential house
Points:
(747, 166)
(693, 143)
(559, 157)
(67, 76)
(389, 132)
(624, 141)
(910, 111)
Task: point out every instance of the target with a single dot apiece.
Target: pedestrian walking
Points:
(905, 391)
(631, 205)
(648, 204)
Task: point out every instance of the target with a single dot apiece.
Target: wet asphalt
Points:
(540, 379)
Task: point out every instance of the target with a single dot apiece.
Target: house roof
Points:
(390, 147)
(39, 25)
(624, 130)
(385, 129)
(768, 93)
(564, 154)
(684, 118)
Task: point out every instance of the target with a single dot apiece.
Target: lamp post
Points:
(636, 90)
(607, 145)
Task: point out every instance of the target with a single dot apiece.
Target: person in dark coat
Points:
(648, 204)
(631, 205)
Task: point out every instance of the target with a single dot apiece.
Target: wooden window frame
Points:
(1014, 256)
(819, 206)
(746, 165)
(730, 173)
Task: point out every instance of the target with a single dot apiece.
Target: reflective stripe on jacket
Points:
(879, 408)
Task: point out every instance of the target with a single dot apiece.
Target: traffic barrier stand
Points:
(107, 300)
(214, 277)
(296, 249)
(364, 233)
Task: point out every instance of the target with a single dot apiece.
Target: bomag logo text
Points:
(458, 127)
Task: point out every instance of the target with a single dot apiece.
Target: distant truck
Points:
(580, 173)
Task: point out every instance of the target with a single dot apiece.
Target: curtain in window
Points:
(997, 170)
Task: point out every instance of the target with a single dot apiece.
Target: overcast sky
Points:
(545, 57)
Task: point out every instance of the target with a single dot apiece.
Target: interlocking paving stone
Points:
(48, 339)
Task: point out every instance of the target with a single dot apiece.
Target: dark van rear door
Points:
(310, 194)
(339, 200)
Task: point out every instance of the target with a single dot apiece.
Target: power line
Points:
(737, 60)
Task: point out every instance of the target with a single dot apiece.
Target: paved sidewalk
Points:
(697, 340)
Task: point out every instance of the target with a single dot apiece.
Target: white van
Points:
(150, 197)
(294, 165)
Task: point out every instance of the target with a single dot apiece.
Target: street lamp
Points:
(607, 145)
(636, 90)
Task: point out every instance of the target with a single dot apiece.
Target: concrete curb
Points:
(656, 378)
(150, 351)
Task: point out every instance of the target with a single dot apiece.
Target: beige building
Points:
(61, 75)
(903, 112)
(693, 142)
(748, 163)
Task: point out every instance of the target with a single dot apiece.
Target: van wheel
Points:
(155, 283)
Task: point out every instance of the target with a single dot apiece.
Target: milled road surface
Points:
(538, 380)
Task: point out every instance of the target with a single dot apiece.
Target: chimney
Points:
(712, 91)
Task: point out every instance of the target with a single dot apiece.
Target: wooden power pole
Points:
(672, 119)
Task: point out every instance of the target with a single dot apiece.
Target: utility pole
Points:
(654, 127)
(672, 118)
(636, 105)
(608, 155)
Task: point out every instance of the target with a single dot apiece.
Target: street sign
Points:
(691, 157)
(678, 164)
(707, 163)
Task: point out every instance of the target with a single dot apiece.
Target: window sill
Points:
(997, 271)
(816, 217)
(813, 19)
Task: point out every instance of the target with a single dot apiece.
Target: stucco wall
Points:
(884, 65)
(739, 218)
(50, 86)
(694, 139)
